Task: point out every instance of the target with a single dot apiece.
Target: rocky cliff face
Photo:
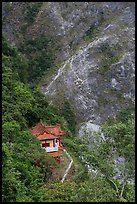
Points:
(98, 78)
(96, 53)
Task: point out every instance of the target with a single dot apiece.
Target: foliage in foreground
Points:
(108, 149)
(22, 107)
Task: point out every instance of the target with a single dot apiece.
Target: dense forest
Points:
(23, 105)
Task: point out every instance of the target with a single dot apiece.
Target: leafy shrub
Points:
(32, 11)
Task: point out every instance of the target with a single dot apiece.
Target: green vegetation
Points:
(15, 60)
(118, 142)
(32, 11)
(69, 116)
(102, 101)
(91, 33)
(39, 55)
(22, 107)
(106, 62)
(27, 169)
(110, 55)
(102, 187)
(117, 93)
(48, 75)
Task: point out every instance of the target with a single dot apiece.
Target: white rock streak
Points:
(60, 71)
(67, 170)
(82, 51)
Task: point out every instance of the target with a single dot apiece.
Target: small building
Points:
(50, 137)
(50, 142)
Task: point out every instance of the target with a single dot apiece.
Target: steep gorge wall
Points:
(95, 51)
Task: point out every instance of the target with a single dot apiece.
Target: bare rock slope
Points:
(96, 54)
(98, 78)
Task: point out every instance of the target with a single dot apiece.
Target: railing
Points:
(51, 149)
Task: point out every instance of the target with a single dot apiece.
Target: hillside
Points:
(92, 47)
(23, 106)
(71, 63)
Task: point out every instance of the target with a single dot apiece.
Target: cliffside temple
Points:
(50, 137)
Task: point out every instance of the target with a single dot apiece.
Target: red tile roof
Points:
(37, 129)
(40, 128)
(46, 136)
(54, 129)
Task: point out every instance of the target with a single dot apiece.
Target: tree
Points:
(115, 142)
